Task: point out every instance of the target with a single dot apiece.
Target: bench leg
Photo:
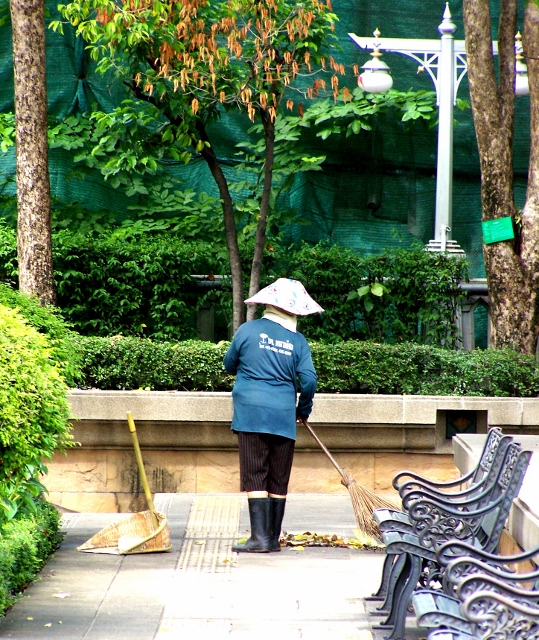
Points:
(404, 589)
(396, 570)
(386, 572)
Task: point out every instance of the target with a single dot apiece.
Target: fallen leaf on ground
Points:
(308, 539)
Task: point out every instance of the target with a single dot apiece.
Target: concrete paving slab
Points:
(201, 590)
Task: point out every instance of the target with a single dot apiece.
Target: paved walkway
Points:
(201, 590)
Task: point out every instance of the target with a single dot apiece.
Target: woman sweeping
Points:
(267, 356)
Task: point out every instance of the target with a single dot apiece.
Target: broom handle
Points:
(141, 470)
(324, 448)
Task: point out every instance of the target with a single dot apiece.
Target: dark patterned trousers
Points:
(265, 462)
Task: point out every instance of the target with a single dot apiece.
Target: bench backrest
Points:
(494, 449)
(507, 486)
(483, 478)
(479, 521)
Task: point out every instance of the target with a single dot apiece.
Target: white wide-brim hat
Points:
(289, 295)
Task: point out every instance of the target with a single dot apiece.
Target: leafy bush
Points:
(47, 320)
(130, 279)
(8, 248)
(135, 279)
(25, 544)
(345, 367)
(130, 282)
(399, 296)
(33, 412)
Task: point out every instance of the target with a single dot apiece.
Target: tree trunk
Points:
(530, 216)
(33, 188)
(509, 265)
(238, 312)
(260, 237)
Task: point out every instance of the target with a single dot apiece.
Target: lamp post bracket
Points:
(411, 45)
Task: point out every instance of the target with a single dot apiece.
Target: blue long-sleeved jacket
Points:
(267, 359)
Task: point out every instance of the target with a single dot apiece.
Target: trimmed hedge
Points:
(25, 545)
(346, 367)
(362, 367)
(139, 363)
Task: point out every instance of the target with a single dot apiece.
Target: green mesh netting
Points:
(377, 189)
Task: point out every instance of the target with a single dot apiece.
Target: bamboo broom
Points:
(364, 501)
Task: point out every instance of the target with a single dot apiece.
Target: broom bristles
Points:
(364, 502)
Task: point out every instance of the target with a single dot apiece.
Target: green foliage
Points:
(368, 293)
(130, 281)
(128, 146)
(138, 363)
(401, 295)
(343, 367)
(7, 130)
(33, 412)
(362, 367)
(357, 110)
(180, 211)
(290, 158)
(47, 320)
(8, 246)
(26, 542)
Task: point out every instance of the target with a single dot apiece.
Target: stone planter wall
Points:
(187, 444)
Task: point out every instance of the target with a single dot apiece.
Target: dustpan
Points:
(142, 532)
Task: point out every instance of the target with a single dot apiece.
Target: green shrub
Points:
(136, 280)
(402, 295)
(33, 412)
(130, 283)
(344, 367)
(25, 544)
(8, 251)
(139, 363)
(47, 320)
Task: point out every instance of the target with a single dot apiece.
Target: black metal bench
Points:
(461, 560)
(480, 523)
(464, 576)
(478, 480)
(490, 447)
(471, 483)
(486, 607)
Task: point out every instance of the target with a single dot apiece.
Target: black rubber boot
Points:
(259, 514)
(277, 506)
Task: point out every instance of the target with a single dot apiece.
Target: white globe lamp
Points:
(376, 76)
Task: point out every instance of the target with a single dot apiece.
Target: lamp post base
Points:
(446, 246)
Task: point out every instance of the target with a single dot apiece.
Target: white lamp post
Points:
(445, 62)
(522, 88)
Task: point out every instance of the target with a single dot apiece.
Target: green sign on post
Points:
(498, 230)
